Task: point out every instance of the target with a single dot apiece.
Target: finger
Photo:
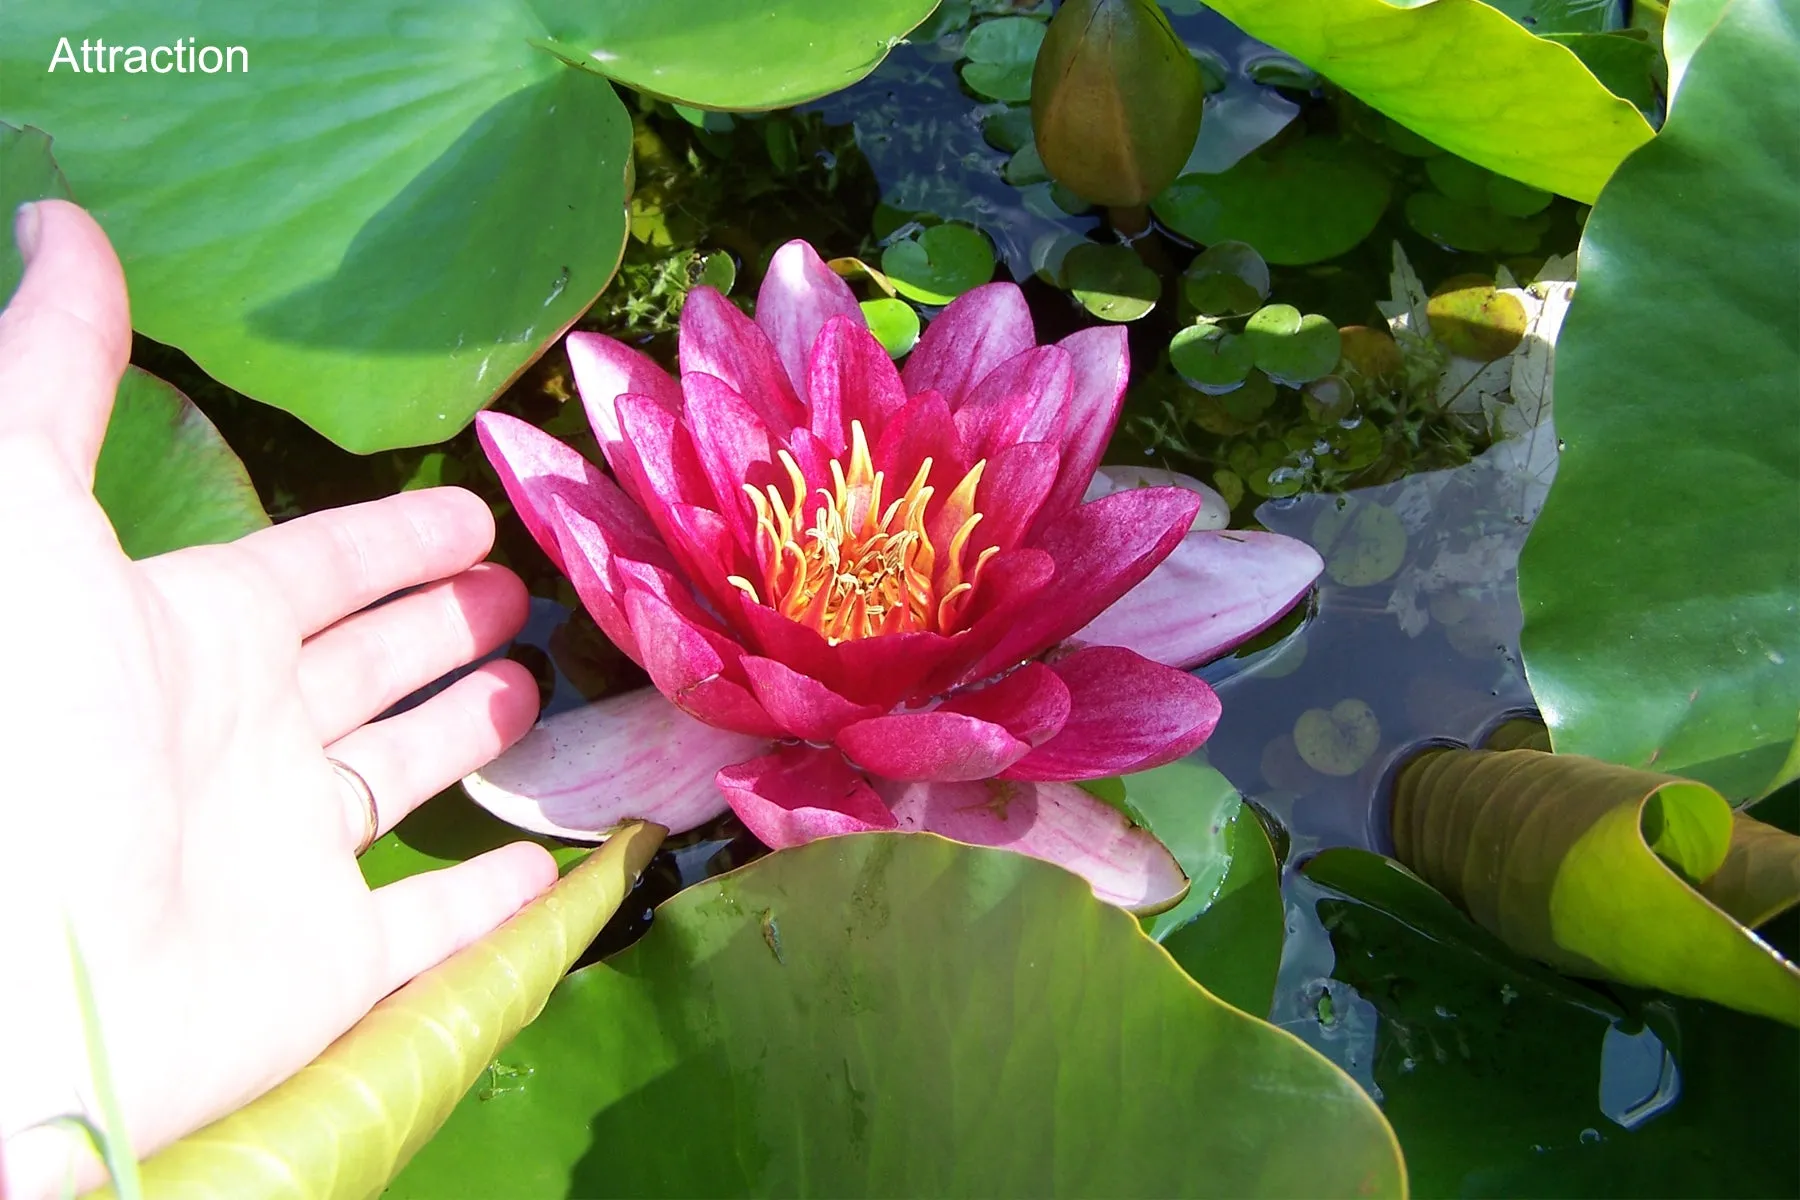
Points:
(423, 919)
(330, 564)
(356, 669)
(408, 759)
(66, 335)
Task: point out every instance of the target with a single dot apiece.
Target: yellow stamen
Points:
(862, 568)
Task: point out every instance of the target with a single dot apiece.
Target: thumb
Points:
(66, 335)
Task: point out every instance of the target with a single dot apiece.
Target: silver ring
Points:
(371, 815)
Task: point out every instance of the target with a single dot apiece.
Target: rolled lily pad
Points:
(1437, 68)
(1301, 203)
(1585, 865)
(1211, 357)
(1001, 52)
(1475, 319)
(802, 1020)
(895, 324)
(353, 1117)
(1337, 740)
(165, 477)
(1363, 542)
(1672, 643)
(1111, 281)
(1760, 877)
(1228, 279)
(940, 264)
(1291, 348)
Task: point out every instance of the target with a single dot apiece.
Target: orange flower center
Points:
(859, 569)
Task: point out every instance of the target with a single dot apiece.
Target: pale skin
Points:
(165, 727)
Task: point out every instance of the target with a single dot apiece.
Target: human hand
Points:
(164, 733)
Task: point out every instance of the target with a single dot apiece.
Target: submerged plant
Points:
(884, 598)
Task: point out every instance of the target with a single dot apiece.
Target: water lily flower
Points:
(875, 599)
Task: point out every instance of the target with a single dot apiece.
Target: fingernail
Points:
(25, 230)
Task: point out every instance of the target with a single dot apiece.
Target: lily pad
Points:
(1001, 52)
(1291, 348)
(1363, 542)
(1111, 281)
(1626, 64)
(391, 211)
(1371, 357)
(940, 264)
(1585, 865)
(1301, 203)
(1337, 740)
(1462, 226)
(1438, 67)
(349, 1120)
(895, 324)
(1474, 319)
(1672, 643)
(1228, 279)
(1227, 932)
(28, 172)
(165, 477)
(803, 1020)
(1211, 357)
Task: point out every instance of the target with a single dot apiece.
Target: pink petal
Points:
(879, 671)
(1214, 512)
(1126, 714)
(661, 453)
(1215, 590)
(800, 704)
(534, 467)
(703, 541)
(851, 379)
(1102, 550)
(605, 370)
(584, 772)
(732, 442)
(718, 340)
(1024, 399)
(1032, 704)
(799, 793)
(688, 665)
(799, 294)
(980, 329)
(1057, 822)
(930, 745)
(1102, 362)
(923, 429)
(592, 568)
(1013, 488)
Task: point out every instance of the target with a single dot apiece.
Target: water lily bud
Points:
(1115, 100)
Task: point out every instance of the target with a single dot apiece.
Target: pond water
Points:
(1411, 638)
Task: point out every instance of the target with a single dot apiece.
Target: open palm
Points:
(164, 733)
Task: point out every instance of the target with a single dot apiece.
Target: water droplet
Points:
(1406, 1065)
(1590, 1136)
(1351, 421)
(1443, 1012)
(1508, 993)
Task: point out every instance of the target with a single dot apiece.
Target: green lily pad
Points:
(1228, 279)
(1328, 399)
(1001, 52)
(1511, 198)
(1362, 542)
(1337, 740)
(1281, 70)
(1460, 179)
(348, 1121)
(802, 1021)
(1111, 281)
(895, 324)
(1236, 411)
(1291, 348)
(1437, 69)
(940, 264)
(1626, 64)
(1474, 319)
(449, 828)
(1585, 865)
(1008, 130)
(718, 271)
(1227, 931)
(1300, 203)
(165, 477)
(1451, 222)
(1672, 643)
(382, 262)
(1211, 357)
